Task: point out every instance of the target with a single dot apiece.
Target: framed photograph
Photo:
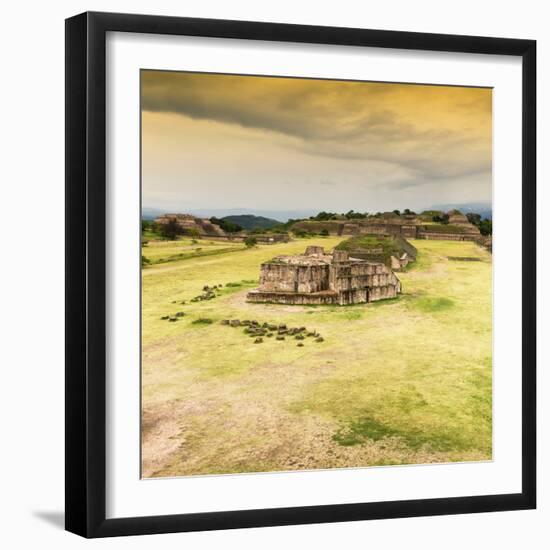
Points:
(300, 274)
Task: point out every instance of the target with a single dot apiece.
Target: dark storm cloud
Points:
(434, 132)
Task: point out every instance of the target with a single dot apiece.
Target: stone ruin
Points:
(316, 277)
(203, 226)
(408, 226)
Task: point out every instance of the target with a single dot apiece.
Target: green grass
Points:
(432, 305)
(445, 228)
(400, 381)
(164, 251)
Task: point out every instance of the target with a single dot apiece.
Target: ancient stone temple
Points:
(316, 277)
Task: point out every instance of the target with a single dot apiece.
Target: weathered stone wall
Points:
(293, 298)
(281, 277)
(314, 250)
(407, 226)
(409, 231)
(319, 278)
(204, 227)
(447, 236)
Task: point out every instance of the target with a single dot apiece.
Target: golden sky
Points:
(222, 142)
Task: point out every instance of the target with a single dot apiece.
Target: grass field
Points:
(403, 381)
(169, 251)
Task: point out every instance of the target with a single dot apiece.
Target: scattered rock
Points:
(180, 314)
(258, 331)
(164, 317)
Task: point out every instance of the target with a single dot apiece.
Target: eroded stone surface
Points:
(316, 277)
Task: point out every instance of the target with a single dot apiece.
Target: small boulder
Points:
(280, 337)
(180, 314)
(319, 339)
(258, 340)
(300, 345)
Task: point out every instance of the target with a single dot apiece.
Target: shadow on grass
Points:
(361, 431)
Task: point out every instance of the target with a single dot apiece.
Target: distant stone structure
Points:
(316, 277)
(392, 250)
(203, 226)
(206, 229)
(409, 226)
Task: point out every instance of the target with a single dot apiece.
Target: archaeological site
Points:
(316, 277)
(408, 226)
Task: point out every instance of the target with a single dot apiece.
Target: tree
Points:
(193, 232)
(474, 219)
(352, 215)
(250, 241)
(444, 219)
(396, 212)
(170, 230)
(227, 225)
(324, 216)
(324, 233)
(486, 227)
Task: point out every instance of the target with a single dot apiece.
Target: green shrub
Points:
(202, 321)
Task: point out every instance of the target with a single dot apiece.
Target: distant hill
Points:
(249, 221)
(151, 213)
(484, 208)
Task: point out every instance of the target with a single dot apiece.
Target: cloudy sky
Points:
(259, 143)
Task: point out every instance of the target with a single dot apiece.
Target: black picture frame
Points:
(86, 269)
